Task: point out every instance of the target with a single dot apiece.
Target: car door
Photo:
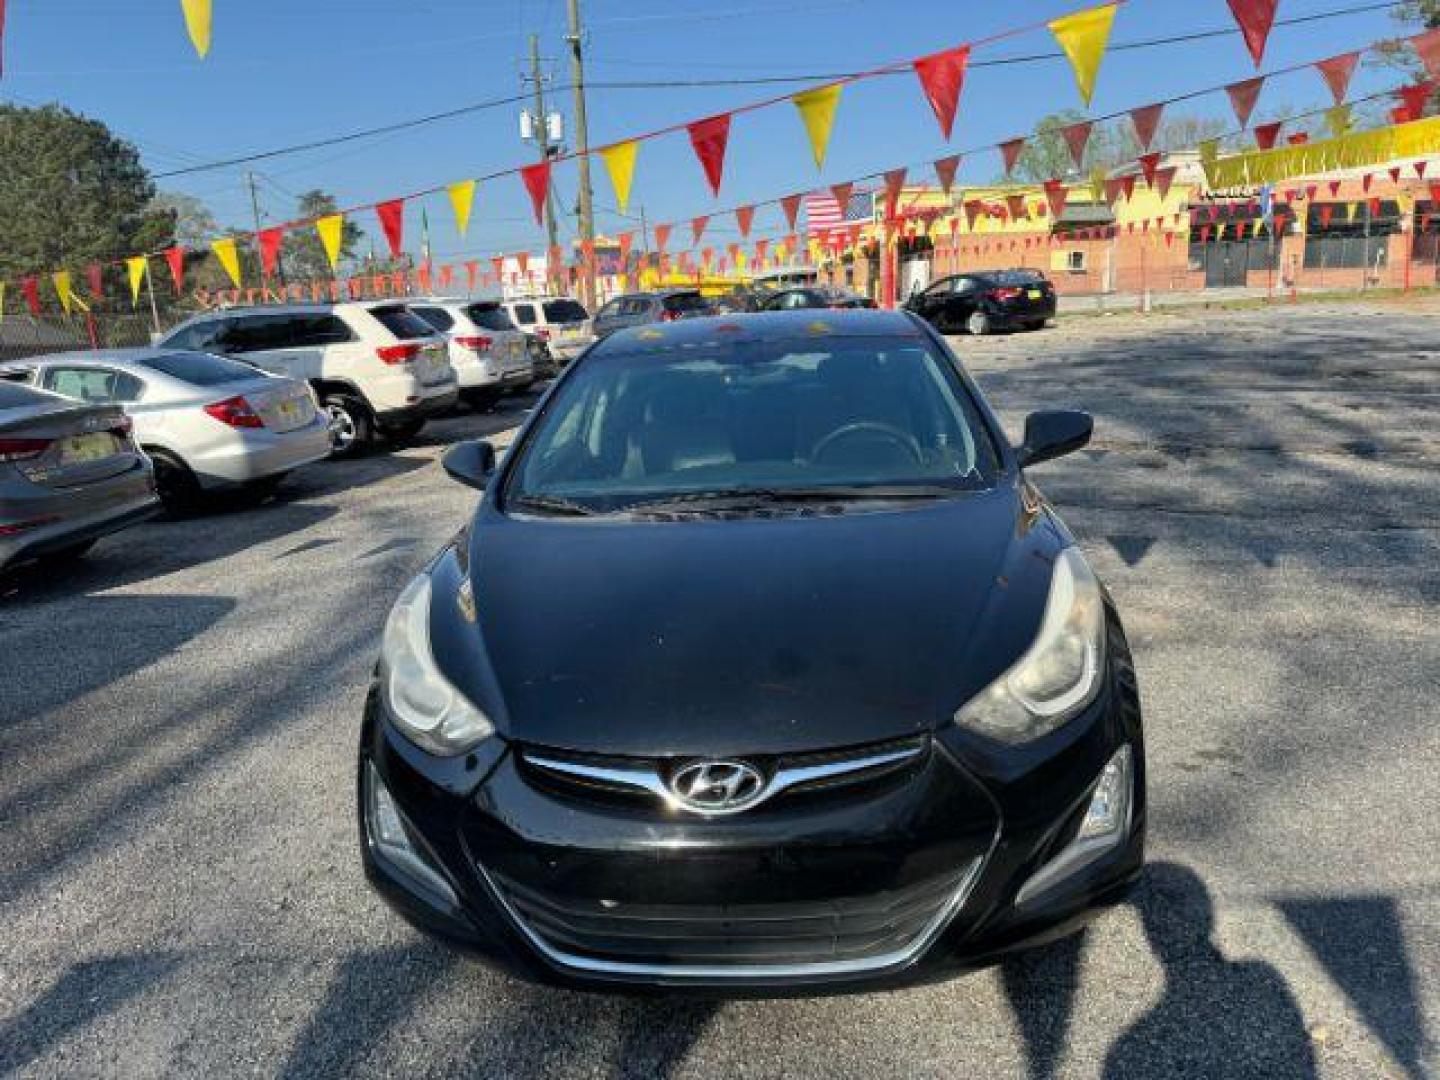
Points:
(930, 303)
(604, 321)
(289, 343)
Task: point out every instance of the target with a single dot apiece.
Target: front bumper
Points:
(549, 885)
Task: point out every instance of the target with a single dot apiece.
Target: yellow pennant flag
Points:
(229, 258)
(1351, 209)
(197, 21)
(1083, 37)
(620, 164)
(136, 267)
(462, 198)
(1209, 150)
(1338, 120)
(62, 288)
(817, 110)
(332, 230)
(1259, 226)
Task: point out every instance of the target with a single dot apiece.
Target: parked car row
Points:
(234, 400)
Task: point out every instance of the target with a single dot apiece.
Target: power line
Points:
(767, 80)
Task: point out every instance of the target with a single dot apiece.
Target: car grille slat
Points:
(749, 937)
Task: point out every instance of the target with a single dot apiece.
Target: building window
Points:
(1075, 261)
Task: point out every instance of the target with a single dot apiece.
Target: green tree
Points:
(1047, 155)
(302, 251)
(195, 225)
(72, 193)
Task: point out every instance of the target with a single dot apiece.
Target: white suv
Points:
(559, 324)
(377, 368)
(488, 354)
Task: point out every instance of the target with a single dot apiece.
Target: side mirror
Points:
(472, 463)
(1054, 433)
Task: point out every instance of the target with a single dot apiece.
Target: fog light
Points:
(390, 838)
(1104, 827)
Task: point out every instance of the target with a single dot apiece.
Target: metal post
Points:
(542, 136)
(150, 289)
(582, 157)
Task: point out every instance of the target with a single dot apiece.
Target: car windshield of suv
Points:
(402, 322)
(563, 311)
(201, 369)
(724, 421)
(489, 317)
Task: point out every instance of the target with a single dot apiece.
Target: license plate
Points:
(290, 409)
(1034, 294)
(81, 449)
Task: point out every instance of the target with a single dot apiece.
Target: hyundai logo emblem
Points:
(717, 787)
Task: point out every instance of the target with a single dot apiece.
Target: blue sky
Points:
(284, 71)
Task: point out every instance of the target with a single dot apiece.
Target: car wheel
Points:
(174, 482)
(403, 433)
(350, 426)
(978, 324)
(481, 400)
(67, 554)
(258, 491)
(1039, 325)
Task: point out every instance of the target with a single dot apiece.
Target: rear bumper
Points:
(1011, 318)
(116, 504)
(437, 402)
(255, 454)
(480, 826)
(488, 375)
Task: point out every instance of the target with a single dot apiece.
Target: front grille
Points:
(876, 931)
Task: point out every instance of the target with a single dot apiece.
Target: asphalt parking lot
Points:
(181, 892)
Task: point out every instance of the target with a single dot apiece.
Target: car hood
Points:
(749, 636)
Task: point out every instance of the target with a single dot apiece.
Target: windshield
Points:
(563, 311)
(640, 425)
(402, 322)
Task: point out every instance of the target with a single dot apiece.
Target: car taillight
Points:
(398, 354)
(22, 449)
(1006, 293)
(236, 412)
(669, 316)
(542, 333)
(122, 428)
(479, 344)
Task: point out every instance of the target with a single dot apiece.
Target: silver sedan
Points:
(208, 423)
(69, 474)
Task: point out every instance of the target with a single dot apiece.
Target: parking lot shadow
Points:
(1040, 985)
(1216, 1017)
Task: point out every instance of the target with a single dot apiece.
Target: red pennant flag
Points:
(1427, 48)
(697, 228)
(942, 75)
(790, 204)
(269, 241)
(447, 275)
(1243, 96)
(662, 237)
(522, 260)
(472, 271)
(894, 181)
(709, 137)
(1266, 134)
(1435, 192)
(744, 217)
(1213, 211)
(945, 169)
(972, 212)
(1204, 234)
(94, 275)
(1327, 211)
(497, 266)
(175, 259)
(841, 194)
(1076, 136)
(1015, 204)
(1146, 120)
(761, 247)
(1395, 174)
(1148, 164)
(1055, 195)
(1169, 239)
(1127, 184)
(1334, 188)
(537, 182)
(1255, 18)
(1280, 220)
(1300, 138)
(423, 276)
(852, 233)
(627, 241)
(1163, 178)
(1310, 190)
(1365, 182)
(1374, 204)
(1337, 71)
(1400, 114)
(30, 288)
(392, 221)
(1420, 169)
(1010, 153)
(1416, 97)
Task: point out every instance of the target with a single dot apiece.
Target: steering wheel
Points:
(869, 427)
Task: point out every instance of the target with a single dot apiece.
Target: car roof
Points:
(458, 301)
(318, 308)
(769, 326)
(103, 357)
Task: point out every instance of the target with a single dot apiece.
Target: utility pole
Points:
(255, 208)
(542, 135)
(582, 146)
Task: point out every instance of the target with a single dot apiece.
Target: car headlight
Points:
(422, 702)
(1059, 674)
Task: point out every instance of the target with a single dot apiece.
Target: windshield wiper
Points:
(740, 497)
(552, 504)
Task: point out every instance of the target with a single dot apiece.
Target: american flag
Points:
(824, 214)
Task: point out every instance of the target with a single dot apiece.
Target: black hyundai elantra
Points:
(762, 667)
